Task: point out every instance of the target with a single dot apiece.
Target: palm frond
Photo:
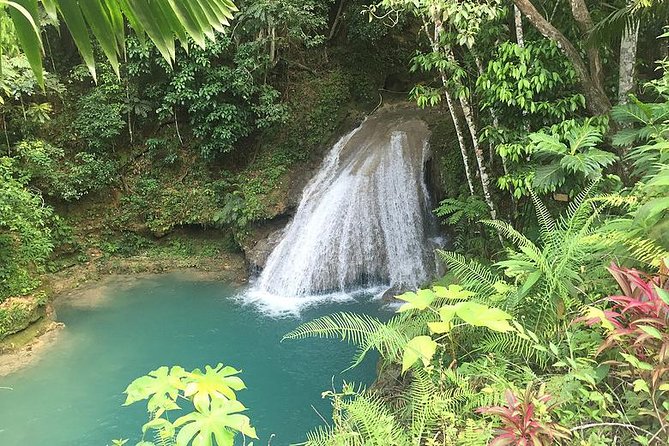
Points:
(163, 21)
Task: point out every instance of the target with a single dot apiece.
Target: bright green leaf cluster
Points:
(217, 415)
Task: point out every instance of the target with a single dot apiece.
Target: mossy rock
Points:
(17, 314)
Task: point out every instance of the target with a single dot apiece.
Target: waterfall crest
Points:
(362, 221)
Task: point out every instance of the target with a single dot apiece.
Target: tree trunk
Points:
(518, 21)
(272, 45)
(333, 29)
(584, 21)
(461, 137)
(597, 101)
(478, 153)
(434, 41)
(628, 48)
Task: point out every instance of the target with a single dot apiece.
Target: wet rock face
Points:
(261, 241)
(258, 254)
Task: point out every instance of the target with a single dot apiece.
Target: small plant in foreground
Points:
(216, 417)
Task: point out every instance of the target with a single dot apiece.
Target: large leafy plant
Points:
(217, 416)
(164, 22)
(573, 154)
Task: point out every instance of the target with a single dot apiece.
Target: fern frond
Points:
(368, 415)
(472, 275)
(321, 436)
(626, 202)
(366, 332)
(509, 232)
(511, 345)
(546, 221)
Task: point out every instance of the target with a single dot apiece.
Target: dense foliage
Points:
(550, 326)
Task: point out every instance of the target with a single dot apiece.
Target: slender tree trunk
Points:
(518, 21)
(461, 137)
(580, 12)
(478, 154)
(628, 48)
(333, 29)
(434, 41)
(272, 45)
(597, 101)
(478, 151)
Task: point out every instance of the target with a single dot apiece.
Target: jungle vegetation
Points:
(551, 325)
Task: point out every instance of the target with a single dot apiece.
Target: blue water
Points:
(73, 395)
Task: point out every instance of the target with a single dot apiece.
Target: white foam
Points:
(278, 306)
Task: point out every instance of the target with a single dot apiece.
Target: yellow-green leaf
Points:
(419, 348)
(419, 300)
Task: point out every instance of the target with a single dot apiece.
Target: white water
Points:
(361, 223)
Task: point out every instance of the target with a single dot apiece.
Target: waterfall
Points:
(363, 220)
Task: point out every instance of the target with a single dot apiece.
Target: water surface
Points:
(73, 395)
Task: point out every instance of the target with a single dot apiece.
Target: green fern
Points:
(366, 332)
(471, 274)
(362, 419)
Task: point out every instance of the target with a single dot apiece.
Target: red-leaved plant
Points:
(638, 320)
(638, 327)
(526, 420)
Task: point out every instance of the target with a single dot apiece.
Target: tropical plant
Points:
(462, 215)
(543, 281)
(216, 417)
(637, 328)
(359, 418)
(163, 21)
(575, 153)
(526, 420)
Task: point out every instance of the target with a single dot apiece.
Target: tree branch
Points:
(598, 102)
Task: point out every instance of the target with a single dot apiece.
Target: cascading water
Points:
(362, 221)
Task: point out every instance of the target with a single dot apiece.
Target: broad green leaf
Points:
(215, 382)
(25, 15)
(161, 387)
(636, 362)
(652, 331)
(662, 294)
(220, 423)
(439, 327)
(447, 313)
(549, 177)
(420, 347)
(419, 300)
(641, 385)
(453, 292)
(471, 312)
(596, 313)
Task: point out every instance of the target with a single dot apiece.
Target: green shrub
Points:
(25, 237)
(67, 178)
